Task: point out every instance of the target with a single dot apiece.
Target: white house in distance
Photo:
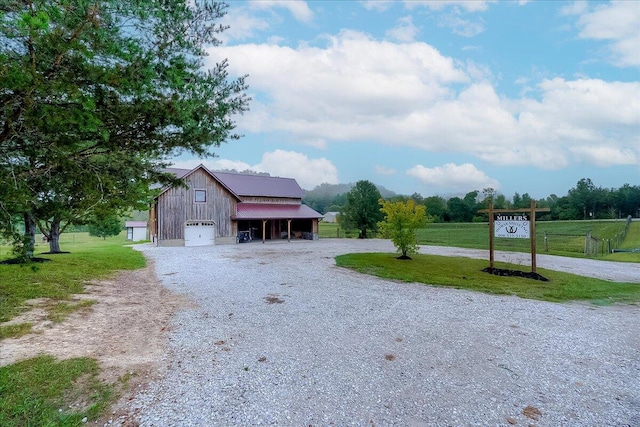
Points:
(136, 230)
(331, 217)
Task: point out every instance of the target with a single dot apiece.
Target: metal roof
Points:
(136, 224)
(260, 185)
(273, 211)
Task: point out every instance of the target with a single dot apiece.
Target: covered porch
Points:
(257, 221)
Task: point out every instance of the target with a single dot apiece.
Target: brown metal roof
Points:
(279, 211)
(136, 224)
(260, 185)
(248, 185)
(179, 173)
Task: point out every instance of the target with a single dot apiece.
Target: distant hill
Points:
(326, 196)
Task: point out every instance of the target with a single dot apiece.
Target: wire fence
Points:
(571, 237)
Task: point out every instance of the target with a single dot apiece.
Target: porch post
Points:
(288, 230)
(264, 230)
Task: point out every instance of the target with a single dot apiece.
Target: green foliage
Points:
(401, 220)
(465, 273)
(362, 211)
(436, 207)
(94, 96)
(39, 391)
(105, 226)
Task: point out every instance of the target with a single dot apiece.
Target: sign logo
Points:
(512, 226)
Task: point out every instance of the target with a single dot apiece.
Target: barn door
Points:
(199, 233)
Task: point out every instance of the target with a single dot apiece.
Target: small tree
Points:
(362, 210)
(106, 226)
(402, 219)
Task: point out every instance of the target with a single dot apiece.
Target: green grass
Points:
(631, 241)
(328, 230)
(40, 391)
(59, 311)
(15, 331)
(465, 273)
(90, 258)
(45, 392)
(564, 238)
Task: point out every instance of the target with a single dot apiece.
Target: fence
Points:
(616, 241)
(333, 230)
(592, 246)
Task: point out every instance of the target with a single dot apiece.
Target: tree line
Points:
(584, 201)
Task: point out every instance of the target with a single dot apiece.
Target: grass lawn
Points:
(465, 273)
(631, 241)
(65, 274)
(563, 238)
(39, 392)
(33, 391)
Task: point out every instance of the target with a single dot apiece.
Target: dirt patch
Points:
(532, 412)
(273, 299)
(125, 330)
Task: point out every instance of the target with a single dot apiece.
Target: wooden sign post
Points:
(513, 226)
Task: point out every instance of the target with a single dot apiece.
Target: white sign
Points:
(512, 226)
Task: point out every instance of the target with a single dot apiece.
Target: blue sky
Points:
(436, 97)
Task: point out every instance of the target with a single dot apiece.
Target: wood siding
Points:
(177, 205)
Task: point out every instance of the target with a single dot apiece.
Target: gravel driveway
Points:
(279, 335)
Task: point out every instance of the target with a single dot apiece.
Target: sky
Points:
(436, 97)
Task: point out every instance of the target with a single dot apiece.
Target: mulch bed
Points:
(517, 273)
(21, 261)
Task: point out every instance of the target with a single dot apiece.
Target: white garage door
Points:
(199, 233)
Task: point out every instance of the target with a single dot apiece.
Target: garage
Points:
(199, 233)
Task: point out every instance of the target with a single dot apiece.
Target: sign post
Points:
(521, 225)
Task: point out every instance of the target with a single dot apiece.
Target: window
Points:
(200, 196)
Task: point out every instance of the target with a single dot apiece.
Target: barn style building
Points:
(226, 208)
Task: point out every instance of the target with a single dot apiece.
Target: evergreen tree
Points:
(95, 95)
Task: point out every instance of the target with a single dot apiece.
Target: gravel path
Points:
(280, 336)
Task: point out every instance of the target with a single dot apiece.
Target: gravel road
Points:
(279, 335)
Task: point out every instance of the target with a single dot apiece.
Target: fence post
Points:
(587, 242)
(546, 242)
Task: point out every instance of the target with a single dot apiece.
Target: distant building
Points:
(331, 217)
(136, 230)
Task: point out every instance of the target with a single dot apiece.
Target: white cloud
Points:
(299, 9)
(308, 172)
(468, 5)
(607, 156)
(213, 164)
(242, 25)
(575, 8)
(460, 26)
(404, 31)
(452, 177)
(377, 5)
(289, 164)
(357, 89)
(384, 171)
(618, 23)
